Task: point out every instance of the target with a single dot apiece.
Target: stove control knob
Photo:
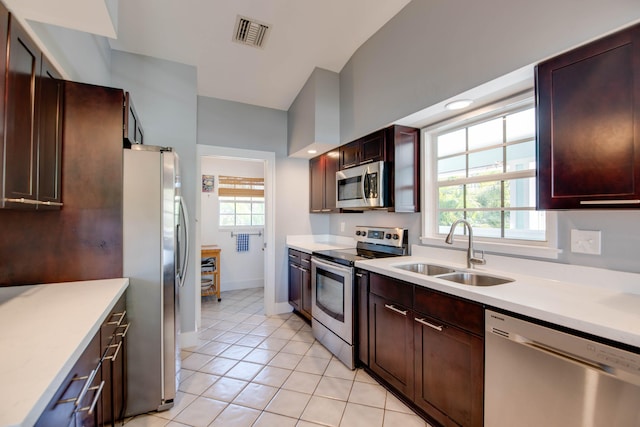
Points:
(364, 234)
(388, 236)
(358, 233)
(396, 237)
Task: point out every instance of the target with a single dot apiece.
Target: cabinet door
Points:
(305, 286)
(391, 350)
(20, 132)
(362, 315)
(330, 169)
(405, 179)
(295, 286)
(349, 155)
(49, 135)
(449, 373)
(372, 147)
(316, 185)
(589, 125)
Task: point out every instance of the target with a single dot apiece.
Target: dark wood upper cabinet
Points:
(50, 136)
(32, 123)
(132, 129)
(370, 148)
(322, 183)
(20, 119)
(588, 132)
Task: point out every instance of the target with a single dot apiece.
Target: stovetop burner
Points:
(372, 242)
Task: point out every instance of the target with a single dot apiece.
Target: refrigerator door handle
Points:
(182, 270)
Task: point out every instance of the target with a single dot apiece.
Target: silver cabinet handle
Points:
(292, 256)
(32, 202)
(122, 314)
(392, 308)
(89, 409)
(316, 210)
(123, 334)
(306, 261)
(359, 275)
(326, 210)
(85, 387)
(115, 353)
(609, 202)
(431, 325)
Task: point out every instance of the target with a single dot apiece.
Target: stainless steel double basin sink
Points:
(463, 277)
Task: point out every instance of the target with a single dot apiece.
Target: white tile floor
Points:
(254, 370)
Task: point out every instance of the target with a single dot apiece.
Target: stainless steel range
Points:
(332, 282)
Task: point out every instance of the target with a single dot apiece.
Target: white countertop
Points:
(601, 302)
(45, 329)
(316, 242)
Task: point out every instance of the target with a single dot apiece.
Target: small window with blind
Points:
(241, 201)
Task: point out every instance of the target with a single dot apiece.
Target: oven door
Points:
(332, 297)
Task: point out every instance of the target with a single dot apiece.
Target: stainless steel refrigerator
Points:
(155, 259)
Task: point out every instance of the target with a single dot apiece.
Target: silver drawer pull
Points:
(431, 325)
(392, 308)
(122, 314)
(609, 202)
(89, 409)
(359, 275)
(305, 261)
(115, 353)
(75, 399)
(32, 202)
(293, 256)
(123, 333)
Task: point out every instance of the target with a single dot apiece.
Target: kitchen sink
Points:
(463, 277)
(475, 279)
(428, 269)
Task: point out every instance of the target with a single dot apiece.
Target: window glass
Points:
(486, 174)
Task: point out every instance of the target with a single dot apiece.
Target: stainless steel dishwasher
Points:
(539, 376)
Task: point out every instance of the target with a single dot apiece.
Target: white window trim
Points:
(547, 249)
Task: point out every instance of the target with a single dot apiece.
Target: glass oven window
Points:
(330, 294)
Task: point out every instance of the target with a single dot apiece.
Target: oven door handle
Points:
(329, 266)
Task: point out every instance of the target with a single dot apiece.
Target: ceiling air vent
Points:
(250, 32)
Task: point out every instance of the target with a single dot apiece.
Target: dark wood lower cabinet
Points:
(391, 343)
(428, 346)
(300, 282)
(94, 392)
(449, 373)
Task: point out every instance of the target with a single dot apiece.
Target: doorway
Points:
(266, 241)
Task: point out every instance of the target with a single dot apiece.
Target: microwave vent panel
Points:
(250, 32)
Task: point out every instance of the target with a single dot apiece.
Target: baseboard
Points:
(243, 284)
(188, 339)
(282, 307)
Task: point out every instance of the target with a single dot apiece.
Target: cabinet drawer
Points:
(391, 289)
(295, 256)
(454, 311)
(305, 260)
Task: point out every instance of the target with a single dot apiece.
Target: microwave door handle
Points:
(364, 177)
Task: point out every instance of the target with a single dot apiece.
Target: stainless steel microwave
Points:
(361, 186)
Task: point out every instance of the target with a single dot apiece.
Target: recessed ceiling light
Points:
(312, 151)
(458, 104)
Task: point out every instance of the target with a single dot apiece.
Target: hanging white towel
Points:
(242, 242)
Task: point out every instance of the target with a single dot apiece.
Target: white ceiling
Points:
(304, 34)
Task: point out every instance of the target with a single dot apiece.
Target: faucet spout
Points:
(471, 258)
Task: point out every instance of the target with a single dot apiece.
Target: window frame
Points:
(237, 187)
(547, 248)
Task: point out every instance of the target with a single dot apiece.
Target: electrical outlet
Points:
(586, 242)
(342, 226)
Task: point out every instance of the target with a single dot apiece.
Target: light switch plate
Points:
(586, 242)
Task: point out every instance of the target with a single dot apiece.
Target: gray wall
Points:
(84, 57)
(232, 124)
(165, 97)
(433, 50)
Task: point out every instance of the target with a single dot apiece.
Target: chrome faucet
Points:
(471, 258)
